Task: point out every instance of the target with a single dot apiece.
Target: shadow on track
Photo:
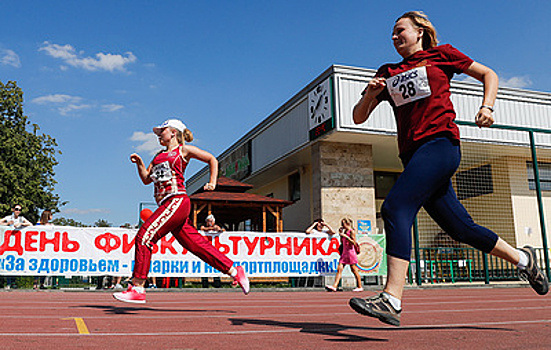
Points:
(336, 330)
(129, 310)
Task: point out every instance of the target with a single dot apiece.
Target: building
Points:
(309, 151)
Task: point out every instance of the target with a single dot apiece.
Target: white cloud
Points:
(101, 61)
(519, 82)
(56, 98)
(66, 103)
(72, 107)
(148, 142)
(111, 107)
(76, 211)
(9, 58)
(516, 82)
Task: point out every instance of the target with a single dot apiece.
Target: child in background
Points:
(348, 256)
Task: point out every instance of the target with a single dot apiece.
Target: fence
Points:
(504, 181)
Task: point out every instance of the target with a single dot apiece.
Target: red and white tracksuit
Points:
(172, 216)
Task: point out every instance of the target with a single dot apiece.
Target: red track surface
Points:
(460, 318)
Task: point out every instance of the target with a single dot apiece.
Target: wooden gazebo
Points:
(231, 206)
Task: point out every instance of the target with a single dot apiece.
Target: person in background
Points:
(320, 226)
(348, 256)
(15, 219)
(210, 225)
(45, 218)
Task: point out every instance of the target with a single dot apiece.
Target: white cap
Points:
(210, 217)
(173, 123)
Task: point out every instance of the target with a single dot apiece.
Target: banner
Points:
(76, 251)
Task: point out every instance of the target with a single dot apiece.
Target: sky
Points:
(99, 75)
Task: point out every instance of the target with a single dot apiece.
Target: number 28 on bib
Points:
(409, 86)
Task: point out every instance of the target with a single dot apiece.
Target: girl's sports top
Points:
(167, 174)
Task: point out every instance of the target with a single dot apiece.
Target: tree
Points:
(102, 223)
(67, 222)
(27, 159)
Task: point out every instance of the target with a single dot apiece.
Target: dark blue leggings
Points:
(426, 182)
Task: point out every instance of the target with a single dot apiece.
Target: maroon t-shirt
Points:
(418, 88)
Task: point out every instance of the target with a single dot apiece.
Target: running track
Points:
(458, 318)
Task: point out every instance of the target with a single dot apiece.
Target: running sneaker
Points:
(152, 286)
(241, 279)
(359, 289)
(330, 288)
(532, 273)
(130, 296)
(377, 306)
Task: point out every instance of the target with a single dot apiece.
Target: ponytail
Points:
(185, 136)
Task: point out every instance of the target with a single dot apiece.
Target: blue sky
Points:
(98, 75)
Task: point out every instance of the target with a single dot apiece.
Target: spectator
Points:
(45, 218)
(210, 225)
(16, 219)
(320, 226)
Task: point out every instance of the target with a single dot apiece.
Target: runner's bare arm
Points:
(143, 172)
(204, 156)
(362, 110)
(490, 81)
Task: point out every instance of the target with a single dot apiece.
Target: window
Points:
(544, 174)
(294, 187)
(384, 182)
(474, 182)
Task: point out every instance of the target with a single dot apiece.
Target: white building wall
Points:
(285, 134)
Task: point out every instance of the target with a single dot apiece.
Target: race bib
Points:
(409, 86)
(161, 172)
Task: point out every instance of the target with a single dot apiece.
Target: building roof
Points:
(225, 184)
(233, 191)
(233, 197)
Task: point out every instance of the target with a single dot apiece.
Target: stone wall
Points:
(343, 182)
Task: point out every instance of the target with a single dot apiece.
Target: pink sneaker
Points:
(130, 296)
(242, 280)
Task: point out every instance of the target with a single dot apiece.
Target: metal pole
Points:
(417, 255)
(486, 269)
(540, 203)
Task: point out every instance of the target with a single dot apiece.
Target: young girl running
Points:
(418, 89)
(348, 256)
(166, 171)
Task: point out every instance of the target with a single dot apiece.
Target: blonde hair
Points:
(347, 220)
(186, 136)
(420, 20)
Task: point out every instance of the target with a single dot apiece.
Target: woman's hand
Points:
(484, 117)
(209, 186)
(135, 158)
(375, 86)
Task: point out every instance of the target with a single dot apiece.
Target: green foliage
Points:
(27, 159)
(102, 223)
(61, 221)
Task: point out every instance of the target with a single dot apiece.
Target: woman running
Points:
(418, 89)
(166, 171)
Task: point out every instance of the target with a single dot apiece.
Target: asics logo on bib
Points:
(404, 77)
